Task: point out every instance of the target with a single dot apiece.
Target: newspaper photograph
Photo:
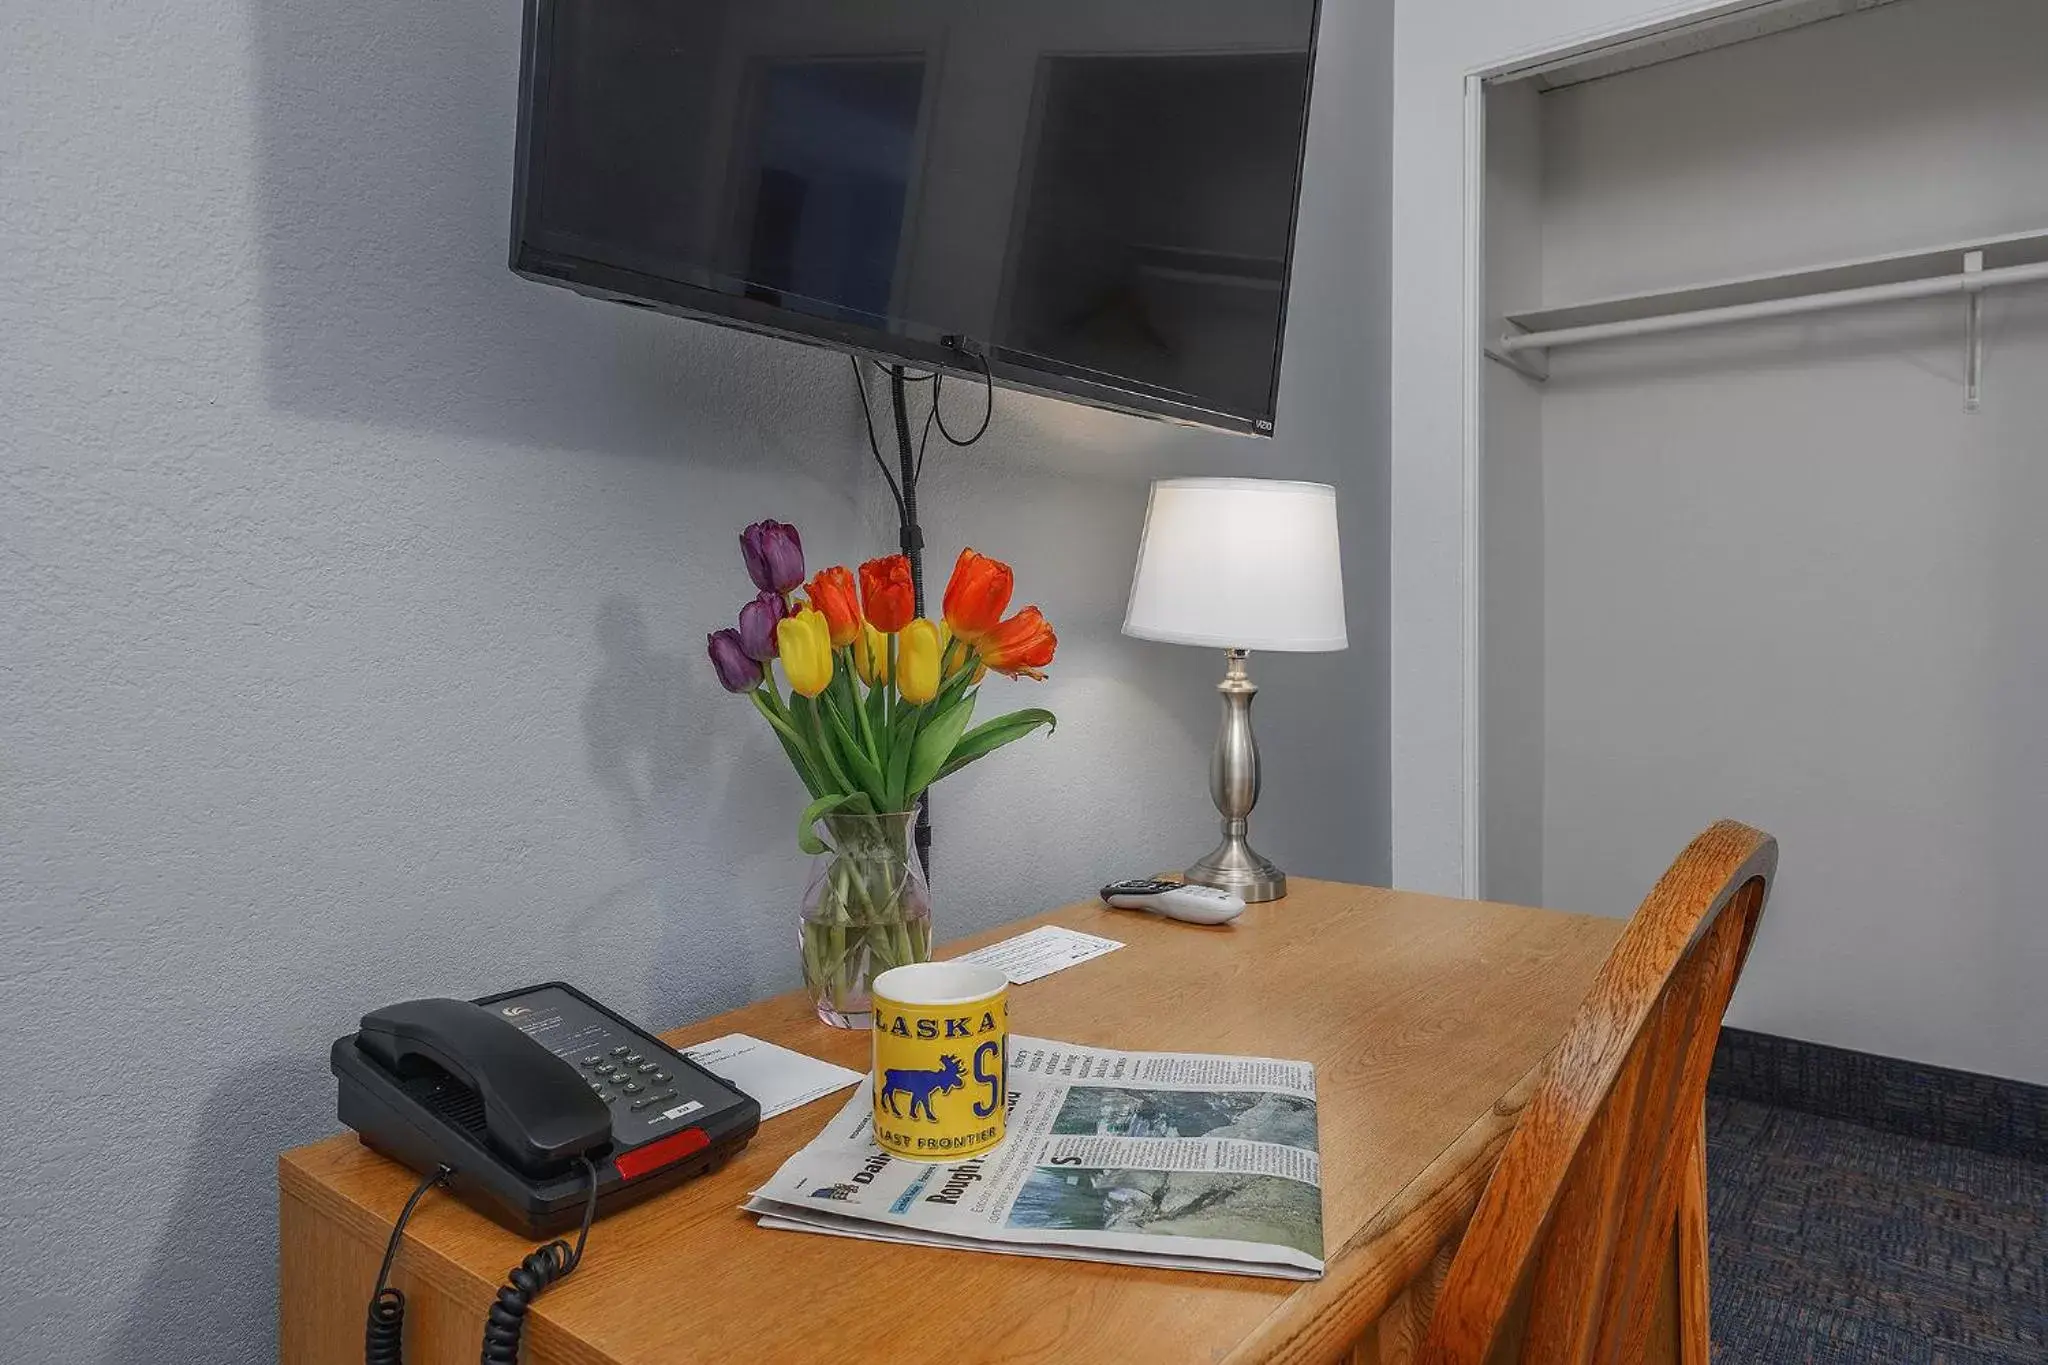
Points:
(1185, 1160)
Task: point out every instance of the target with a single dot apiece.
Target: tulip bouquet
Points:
(879, 706)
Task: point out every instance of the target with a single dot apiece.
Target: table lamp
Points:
(1239, 565)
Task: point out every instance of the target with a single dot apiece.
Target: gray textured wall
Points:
(354, 595)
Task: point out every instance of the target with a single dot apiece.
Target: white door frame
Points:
(1472, 479)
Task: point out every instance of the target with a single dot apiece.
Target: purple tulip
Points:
(736, 672)
(757, 625)
(775, 556)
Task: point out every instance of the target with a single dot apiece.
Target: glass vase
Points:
(867, 909)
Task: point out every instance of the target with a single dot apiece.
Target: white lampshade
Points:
(1239, 564)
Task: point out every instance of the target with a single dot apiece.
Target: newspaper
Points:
(1185, 1160)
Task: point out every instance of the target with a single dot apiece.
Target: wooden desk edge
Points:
(1361, 1283)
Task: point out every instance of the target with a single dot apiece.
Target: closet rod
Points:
(1969, 283)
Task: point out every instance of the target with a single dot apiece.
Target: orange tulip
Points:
(1022, 646)
(831, 592)
(978, 595)
(886, 594)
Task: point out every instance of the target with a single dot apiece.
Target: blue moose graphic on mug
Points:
(921, 1085)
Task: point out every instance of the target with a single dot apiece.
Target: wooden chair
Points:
(1590, 1242)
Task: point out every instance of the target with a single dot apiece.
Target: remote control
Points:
(1175, 900)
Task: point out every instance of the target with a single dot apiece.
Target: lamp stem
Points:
(1234, 865)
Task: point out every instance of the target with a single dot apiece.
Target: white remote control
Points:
(1175, 900)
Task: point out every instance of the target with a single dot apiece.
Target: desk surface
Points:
(1424, 1018)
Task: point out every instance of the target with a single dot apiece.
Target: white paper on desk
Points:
(1040, 952)
(778, 1080)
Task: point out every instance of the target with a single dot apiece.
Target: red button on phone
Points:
(664, 1152)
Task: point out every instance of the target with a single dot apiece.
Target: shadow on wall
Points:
(659, 736)
(194, 1302)
(385, 149)
(634, 716)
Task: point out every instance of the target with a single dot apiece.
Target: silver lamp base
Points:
(1243, 871)
(1234, 865)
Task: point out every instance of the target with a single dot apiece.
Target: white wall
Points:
(1436, 44)
(350, 638)
(1787, 577)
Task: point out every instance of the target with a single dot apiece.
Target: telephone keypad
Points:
(662, 1093)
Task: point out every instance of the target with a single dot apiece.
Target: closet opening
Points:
(1780, 563)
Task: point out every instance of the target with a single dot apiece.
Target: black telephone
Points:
(541, 1109)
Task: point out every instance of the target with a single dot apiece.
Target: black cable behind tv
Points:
(903, 488)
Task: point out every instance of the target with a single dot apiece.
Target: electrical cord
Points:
(860, 385)
(931, 414)
(386, 1323)
(912, 534)
(988, 382)
(934, 416)
(506, 1324)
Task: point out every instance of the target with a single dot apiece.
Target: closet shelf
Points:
(1959, 269)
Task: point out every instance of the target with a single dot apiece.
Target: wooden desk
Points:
(1424, 1018)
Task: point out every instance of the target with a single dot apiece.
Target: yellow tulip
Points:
(959, 656)
(871, 656)
(918, 650)
(803, 641)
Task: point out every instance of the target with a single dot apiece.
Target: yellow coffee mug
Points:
(942, 1034)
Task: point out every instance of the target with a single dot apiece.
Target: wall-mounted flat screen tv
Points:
(1096, 197)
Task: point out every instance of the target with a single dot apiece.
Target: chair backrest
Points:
(1570, 1256)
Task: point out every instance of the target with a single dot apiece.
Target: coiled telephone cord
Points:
(526, 1281)
(506, 1325)
(381, 1345)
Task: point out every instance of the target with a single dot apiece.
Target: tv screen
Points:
(1095, 197)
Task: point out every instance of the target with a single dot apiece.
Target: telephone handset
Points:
(537, 1111)
(538, 1107)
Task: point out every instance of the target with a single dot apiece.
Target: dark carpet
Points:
(1836, 1244)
